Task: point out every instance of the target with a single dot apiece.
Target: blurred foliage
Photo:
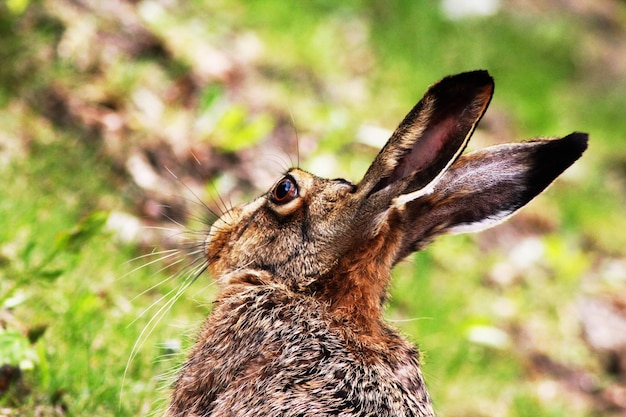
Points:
(115, 114)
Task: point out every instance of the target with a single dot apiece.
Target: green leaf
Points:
(209, 95)
(73, 240)
(236, 130)
(51, 275)
(15, 349)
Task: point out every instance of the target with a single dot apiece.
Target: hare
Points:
(298, 329)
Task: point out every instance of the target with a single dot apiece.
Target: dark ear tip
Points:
(463, 88)
(577, 142)
(478, 76)
(554, 156)
(475, 78)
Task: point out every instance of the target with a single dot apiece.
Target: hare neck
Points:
(356, 290)
(357, 301)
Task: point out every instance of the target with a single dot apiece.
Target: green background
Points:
(119, 120)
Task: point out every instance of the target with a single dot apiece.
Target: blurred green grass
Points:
(320, 70)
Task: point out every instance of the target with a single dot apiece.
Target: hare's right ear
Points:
(429, 139)
(485, 187)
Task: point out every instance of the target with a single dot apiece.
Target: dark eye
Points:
(285, 191)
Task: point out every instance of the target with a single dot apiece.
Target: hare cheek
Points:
(228, 225)
(221, 231)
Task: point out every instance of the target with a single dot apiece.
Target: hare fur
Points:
(298, 329)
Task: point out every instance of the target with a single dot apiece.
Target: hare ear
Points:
(430, 138)
(484, 188)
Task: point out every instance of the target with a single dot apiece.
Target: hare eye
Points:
(285, 191)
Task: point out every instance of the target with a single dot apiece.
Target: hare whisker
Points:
(407, 320)
(297, 136)
(171, 277)
(167, 254)
(153, 323)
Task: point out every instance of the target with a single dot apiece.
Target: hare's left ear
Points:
(486, 187)
(429, 139)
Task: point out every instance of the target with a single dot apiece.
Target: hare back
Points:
(266, 350)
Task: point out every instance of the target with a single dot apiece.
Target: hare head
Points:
(337, 239)
(297, 328)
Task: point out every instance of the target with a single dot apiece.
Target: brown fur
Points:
(297, 329)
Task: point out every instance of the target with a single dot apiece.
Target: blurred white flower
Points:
(459, 9)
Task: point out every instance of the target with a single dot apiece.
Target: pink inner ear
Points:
(427, 150)
(431, 136)
(429, 153)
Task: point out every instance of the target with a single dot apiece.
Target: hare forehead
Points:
(312, 184)
(305, 180)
